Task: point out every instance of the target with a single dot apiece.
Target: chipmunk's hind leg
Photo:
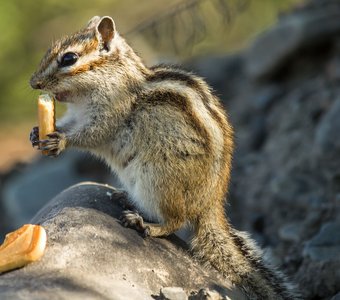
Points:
(134, 220)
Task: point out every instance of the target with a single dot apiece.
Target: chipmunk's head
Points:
(75, 63)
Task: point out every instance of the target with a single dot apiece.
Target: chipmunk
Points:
(165, 135)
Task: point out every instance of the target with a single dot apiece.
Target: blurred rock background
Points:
(275, 65)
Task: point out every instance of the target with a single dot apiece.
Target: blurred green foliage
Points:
(28, 26)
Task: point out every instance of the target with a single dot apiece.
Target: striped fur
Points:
(167, 137)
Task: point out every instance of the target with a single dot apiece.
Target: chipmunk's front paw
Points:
(54, 145)
(134, 220)
(34, 136)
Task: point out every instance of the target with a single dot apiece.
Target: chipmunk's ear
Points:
(105, 31)
(93, 22)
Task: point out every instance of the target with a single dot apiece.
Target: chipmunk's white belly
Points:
(140, 187)
(139, 183)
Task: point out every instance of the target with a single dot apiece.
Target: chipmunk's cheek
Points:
(62, 96)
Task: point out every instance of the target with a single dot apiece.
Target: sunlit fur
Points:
(167, 137)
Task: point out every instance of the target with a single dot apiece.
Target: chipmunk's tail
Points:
(238, 259)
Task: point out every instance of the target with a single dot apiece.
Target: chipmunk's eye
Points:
(68, 59)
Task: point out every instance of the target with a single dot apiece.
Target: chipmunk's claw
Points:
(134, 220)
(34, 136)
(146, 233)
(55, 144)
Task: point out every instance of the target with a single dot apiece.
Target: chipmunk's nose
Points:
(36, 84)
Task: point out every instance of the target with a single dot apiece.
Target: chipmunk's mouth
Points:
(62, 96)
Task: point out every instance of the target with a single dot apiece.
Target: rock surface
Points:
(298, 31)
(324, 246)
(91, 256)
(336, 297)
(327, 147)
(27, 192)
(173, 293)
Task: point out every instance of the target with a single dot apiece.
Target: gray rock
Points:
(336, 297)
(173, 293)
(325, 246)
(288, 185)
(26, 193)
(291, 232)
(90, 255)
(275, 47)
(326, 137)
(322, 278)
(208, 294)
(266, 97)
